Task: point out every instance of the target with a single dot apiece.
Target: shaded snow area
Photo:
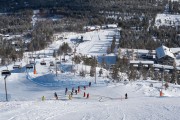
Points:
(167, 20)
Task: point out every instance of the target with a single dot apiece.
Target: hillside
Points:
(106, 98)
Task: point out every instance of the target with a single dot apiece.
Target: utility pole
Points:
(162, 78)
(95, 69)
(55, 54)
(175, 70)
(5, 87)
(95, 74)
(34, 66)
(56, 68)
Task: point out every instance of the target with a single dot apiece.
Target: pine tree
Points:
(64, 49)
(77, 59)
(132, 73)
(100, 72)
(113, 45)
(54, 53)
(108, 50)
(103, 64)
(115, 71)
(144, 73)
(151, 72)
(92, 71)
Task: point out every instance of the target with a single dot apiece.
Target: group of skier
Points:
(76, 91)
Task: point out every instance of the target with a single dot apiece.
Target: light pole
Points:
(56, 67)
(95, 69)
(175, 70)
(6, 73)
(5, 87)
(95, 74)
(162, 76)
(34, 66)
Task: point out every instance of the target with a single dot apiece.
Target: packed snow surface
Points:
(106, 99)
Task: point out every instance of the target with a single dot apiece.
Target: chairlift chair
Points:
(16, 66)
(58, 62)
(51, 64)
(31, 62)
(43, 63)
(29, 66)
(63, 60)
(156, 69)
(38, 57)
(5, 73)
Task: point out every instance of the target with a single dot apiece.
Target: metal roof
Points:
(164, 51)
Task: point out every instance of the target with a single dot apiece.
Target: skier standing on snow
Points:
(73, 89)
(84, 94)
(66, 91)
(70, 97)
(71, 94)
(78, 89)
(89, 84)
(87, 96)
(43, 98)
(76, 92)
(55, 95)
(126, 96)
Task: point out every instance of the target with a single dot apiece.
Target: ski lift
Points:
(16, 66)
(63, 60)
(43, 63)
(31, 62)
(156, 69)
(135, 65)
(58, 62)
(29, 66)
(38, 57)
(166, 70)
(51, 63)
(5, 73)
